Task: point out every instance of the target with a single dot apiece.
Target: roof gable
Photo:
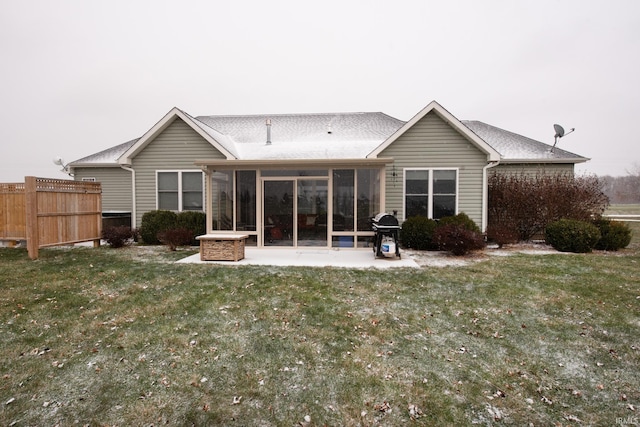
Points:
(216, 139)
(433, 106)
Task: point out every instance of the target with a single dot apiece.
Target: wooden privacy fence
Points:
(13, 220)
(50, 212)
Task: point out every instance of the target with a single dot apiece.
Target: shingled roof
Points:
(305, 136)
(514, 148)
(332, 136)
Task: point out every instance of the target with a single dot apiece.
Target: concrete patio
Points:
(312, 257)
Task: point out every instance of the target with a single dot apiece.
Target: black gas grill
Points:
(386, 228)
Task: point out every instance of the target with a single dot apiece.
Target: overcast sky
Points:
(80, 76)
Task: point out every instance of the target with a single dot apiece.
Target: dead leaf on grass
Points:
(383, 407)
(414, 412)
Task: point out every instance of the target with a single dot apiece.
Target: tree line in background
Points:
(622, 189)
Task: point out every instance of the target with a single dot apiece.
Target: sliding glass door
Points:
(312, 212)
(278, 213)
(295, 212)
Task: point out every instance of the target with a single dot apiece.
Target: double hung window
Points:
(430, 192)
(180, 190)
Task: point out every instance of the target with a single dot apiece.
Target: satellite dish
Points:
(559, 134)
(58, 161)
(559, 131)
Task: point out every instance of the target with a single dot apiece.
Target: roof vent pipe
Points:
(268, 123)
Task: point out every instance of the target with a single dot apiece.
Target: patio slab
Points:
(311, 258)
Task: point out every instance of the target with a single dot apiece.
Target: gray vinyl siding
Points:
(116, 186)
(432, 143)
(176, 148)
(534, 169)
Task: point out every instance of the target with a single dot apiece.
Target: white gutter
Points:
(485, 193)
(133, 194)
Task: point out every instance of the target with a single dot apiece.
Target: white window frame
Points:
(180, 192)
(430, 189)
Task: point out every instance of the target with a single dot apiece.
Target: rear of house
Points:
(313, 180)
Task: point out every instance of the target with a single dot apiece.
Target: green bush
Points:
(460, 219)
(570, 235)
(417, 233)
(154, 222)
(614, 235)
(194, 221)
(458, 239)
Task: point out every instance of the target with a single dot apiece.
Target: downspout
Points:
(485, 193)
(133, 194)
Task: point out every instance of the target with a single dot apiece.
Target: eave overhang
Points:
(543, 161)
(93, 165)
(218, 164)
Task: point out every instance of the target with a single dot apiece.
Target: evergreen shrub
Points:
(154, 222)
(417, 233)
(571, 235)
(194, 221)
(460, 219)
(615, 235)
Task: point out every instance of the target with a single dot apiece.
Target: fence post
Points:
(31, 208)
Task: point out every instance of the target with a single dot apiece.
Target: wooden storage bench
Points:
(222, 247)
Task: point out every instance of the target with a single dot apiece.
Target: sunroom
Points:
(301, 203)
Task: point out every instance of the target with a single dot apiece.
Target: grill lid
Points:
(385, 219)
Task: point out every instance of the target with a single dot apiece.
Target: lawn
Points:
(624, 209)
(127, 337)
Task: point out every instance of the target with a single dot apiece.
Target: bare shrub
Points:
(175, 237)
(458, 239)
(527, 204)
(502, 234)
(118, 236)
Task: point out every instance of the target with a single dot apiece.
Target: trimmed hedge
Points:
(154, 222)
(158, 221)
(417, 233)
(570, 235)
(195, 222)
(615, 235)
(461, 219)
(458, 234)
